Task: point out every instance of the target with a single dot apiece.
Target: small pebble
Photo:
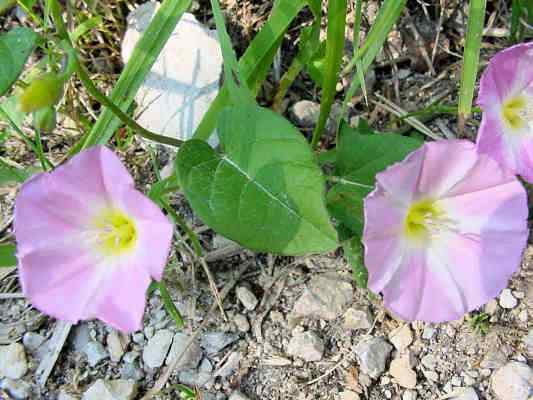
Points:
(156, 350)
(241, 322)
(401, 337)
(95, 352)
(13, 363)
(307, 346)
(507, 300)
(32, 341)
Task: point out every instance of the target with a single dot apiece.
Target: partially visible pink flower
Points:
(444, 231)
(89, 243)
(506, 98)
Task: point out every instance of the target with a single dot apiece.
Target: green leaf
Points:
(10, 175)
(265, 191)
(360, 156)
(8, 255)
(15, 48)
(353, 252)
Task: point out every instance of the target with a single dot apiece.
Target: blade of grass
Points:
(337, 10)
(256, 61)
(141, 61)
(476, 22)
(239, 93)
(359, 67)
(170, 306)
(388, 14)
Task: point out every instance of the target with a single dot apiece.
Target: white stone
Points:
(116, 345)
(13, 363)
(246, 297)
(192, 356)
(409, 395)
(183, 81)
(513, 382)
(400, 369)
(119, 389)
(429, 361)
(507, 300)
(156, 350)
(428, 332)
(32, 341)
(464, 394)
(325, 297)
(401, 337)
(96, 352)
(16, 389)
(357, 319)
(241, 322)
(66, 396)
(307, 346)
(348, 395)
(306, 113)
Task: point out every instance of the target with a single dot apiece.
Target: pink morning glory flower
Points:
(89, 243)
(444, 231)
(506, 98)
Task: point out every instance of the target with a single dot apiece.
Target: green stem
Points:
(338, 179)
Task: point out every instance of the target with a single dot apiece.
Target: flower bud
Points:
(44, 91)
(45, 119)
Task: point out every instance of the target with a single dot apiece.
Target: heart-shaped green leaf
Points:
(265, 191)
(15, 48)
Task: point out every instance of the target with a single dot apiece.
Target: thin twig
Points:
(56, 343)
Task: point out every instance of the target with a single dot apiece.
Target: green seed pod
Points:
(44, 91)
(45, 119)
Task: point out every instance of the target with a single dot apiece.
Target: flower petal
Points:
(508, 73)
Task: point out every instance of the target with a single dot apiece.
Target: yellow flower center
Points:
(424, 220)
(117, 232)
(516, 113)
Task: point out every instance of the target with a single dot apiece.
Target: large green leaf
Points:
(265, 191)
(361, 154)
(10, 175)
(15, 48)
(7, 255)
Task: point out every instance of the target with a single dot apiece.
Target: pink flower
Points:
(506, 98)
(444, 231)
(88, 243)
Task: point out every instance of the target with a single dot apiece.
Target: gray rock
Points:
(401, 337)
(357, 319)
(131, 372)
(95, 352)
(325, 297)
(507, 300)
(178, 90)
(213, 342)
(428, 332)
(429, 361)
(241, 322)
(491, 307)
(528, 342)
(119, 389)
(494, 359)
(237, 395)
(156, 350)
(116, 345)
(307, 346)
(32, 341)
(464, 394)
(513, 381)
(305, 113)
(246, 297)
(409, 395)
(13, 363)
(372, 354)
(17, 389)
(192, 356)
(130, 356)
(192, 377)
(63, 395)
(81, 337)
(230, 366)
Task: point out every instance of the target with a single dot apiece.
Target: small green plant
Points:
(186, 393)
(480, 323)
